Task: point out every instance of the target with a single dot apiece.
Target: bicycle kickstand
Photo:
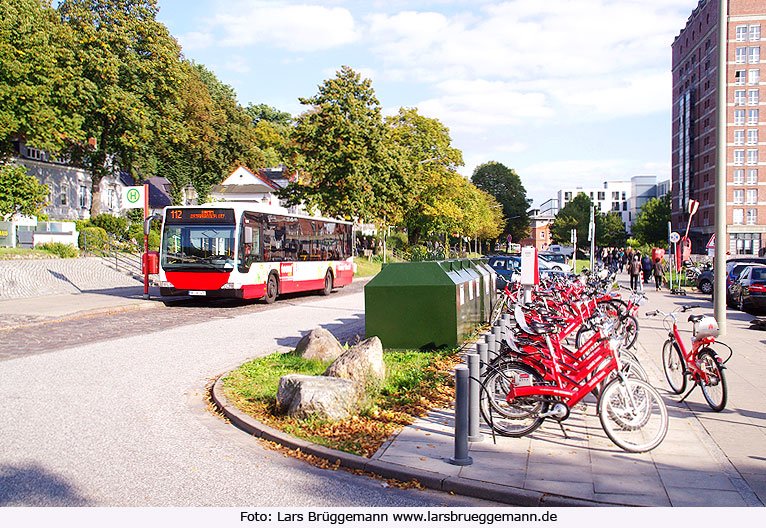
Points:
(561, 424)
(696, 384)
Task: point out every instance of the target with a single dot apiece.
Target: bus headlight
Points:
(166, 284)
(231, 286)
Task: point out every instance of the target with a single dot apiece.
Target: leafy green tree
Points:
(20, 192)
(130, 71)
(505, 185)
(432, 162)
(39, 80)
(348, 167)
(651, 225)
(575, 215)
(613, 233)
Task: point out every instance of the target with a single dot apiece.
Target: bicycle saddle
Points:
(695, 318)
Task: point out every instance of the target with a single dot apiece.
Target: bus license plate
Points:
(197, 292)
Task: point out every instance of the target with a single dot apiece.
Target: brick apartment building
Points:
(695, 93)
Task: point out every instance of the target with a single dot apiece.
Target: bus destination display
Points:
(201, 215)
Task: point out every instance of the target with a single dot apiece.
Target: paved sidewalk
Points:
(706, 459)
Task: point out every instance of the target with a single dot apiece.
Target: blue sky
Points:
(563, 91)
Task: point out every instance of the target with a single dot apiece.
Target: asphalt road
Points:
(109, 411)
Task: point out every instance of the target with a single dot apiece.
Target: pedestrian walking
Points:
(659, 273)
(646, 266)
(634, 270)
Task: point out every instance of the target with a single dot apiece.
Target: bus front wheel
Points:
(327, 283)
(272, 289)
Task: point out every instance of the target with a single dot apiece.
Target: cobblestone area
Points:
(33, 278)
(43, 334)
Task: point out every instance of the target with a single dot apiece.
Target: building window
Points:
(739, 77)
(752, 196)
(741, 56)
(615, 195)
(752, 176)
(752, 157)
(745, 243)
(111, 199)
(754, 55)
(741, 33)
(591, 195)
(739, 157)
(738, 216)
(35, 154)
(624, 206)
(752, 117)
(615, 206)
(567, 196)
(739, 117)
(83, 195)
(63, 190)
(624, 195)
(739, 196)
(739, 137)
(752, 97)
(753, 76)
(739, 97)
(752, 136)
(755, 32)
(739, 176)
(752, 216)
(602, 195)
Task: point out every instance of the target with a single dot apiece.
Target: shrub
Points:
(116, 225)
(62, 250)
(95, 237)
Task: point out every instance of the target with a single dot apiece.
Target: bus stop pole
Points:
(145, 257)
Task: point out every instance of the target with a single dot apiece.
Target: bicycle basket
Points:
(705, 327)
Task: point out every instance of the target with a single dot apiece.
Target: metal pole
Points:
(491, 346)
(721, 240)
(483, 350)
(592, 232)
(461, 457)
(474, 435)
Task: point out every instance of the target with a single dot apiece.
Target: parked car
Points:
(508, 268)
(705, 279)
(557, 261)
(564, 250)
(748, 290)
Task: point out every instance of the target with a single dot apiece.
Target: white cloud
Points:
(477, 104)
(195, 40)
(296, 28)
(589, 54)
(542, 180)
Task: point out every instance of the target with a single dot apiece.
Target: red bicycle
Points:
(700, 363)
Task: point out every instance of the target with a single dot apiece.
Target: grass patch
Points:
(365, 268)
(23, 253)
(415, 383)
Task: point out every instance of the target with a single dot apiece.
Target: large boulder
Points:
(302, 396)
(319, 344)
(362, 363)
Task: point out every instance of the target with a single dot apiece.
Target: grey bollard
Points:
(491, 346)
(483, 351)
(497, 331)
(506, 319)
(474, 388)
(461, 457)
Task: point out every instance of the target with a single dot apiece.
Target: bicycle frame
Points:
(690, 356)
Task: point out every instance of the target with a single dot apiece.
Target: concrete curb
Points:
(433, 480)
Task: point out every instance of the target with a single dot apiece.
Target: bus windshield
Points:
(198, 247)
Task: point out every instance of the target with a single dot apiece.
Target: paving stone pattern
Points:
(34, 278)
(25, 335)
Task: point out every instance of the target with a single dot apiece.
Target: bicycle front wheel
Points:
(630, 330)
(674, 366)
(520, 417)
(633, 415)
(714, 389)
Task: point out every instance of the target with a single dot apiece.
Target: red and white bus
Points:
(249, 251)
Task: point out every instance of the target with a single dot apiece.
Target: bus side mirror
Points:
(148, 223)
